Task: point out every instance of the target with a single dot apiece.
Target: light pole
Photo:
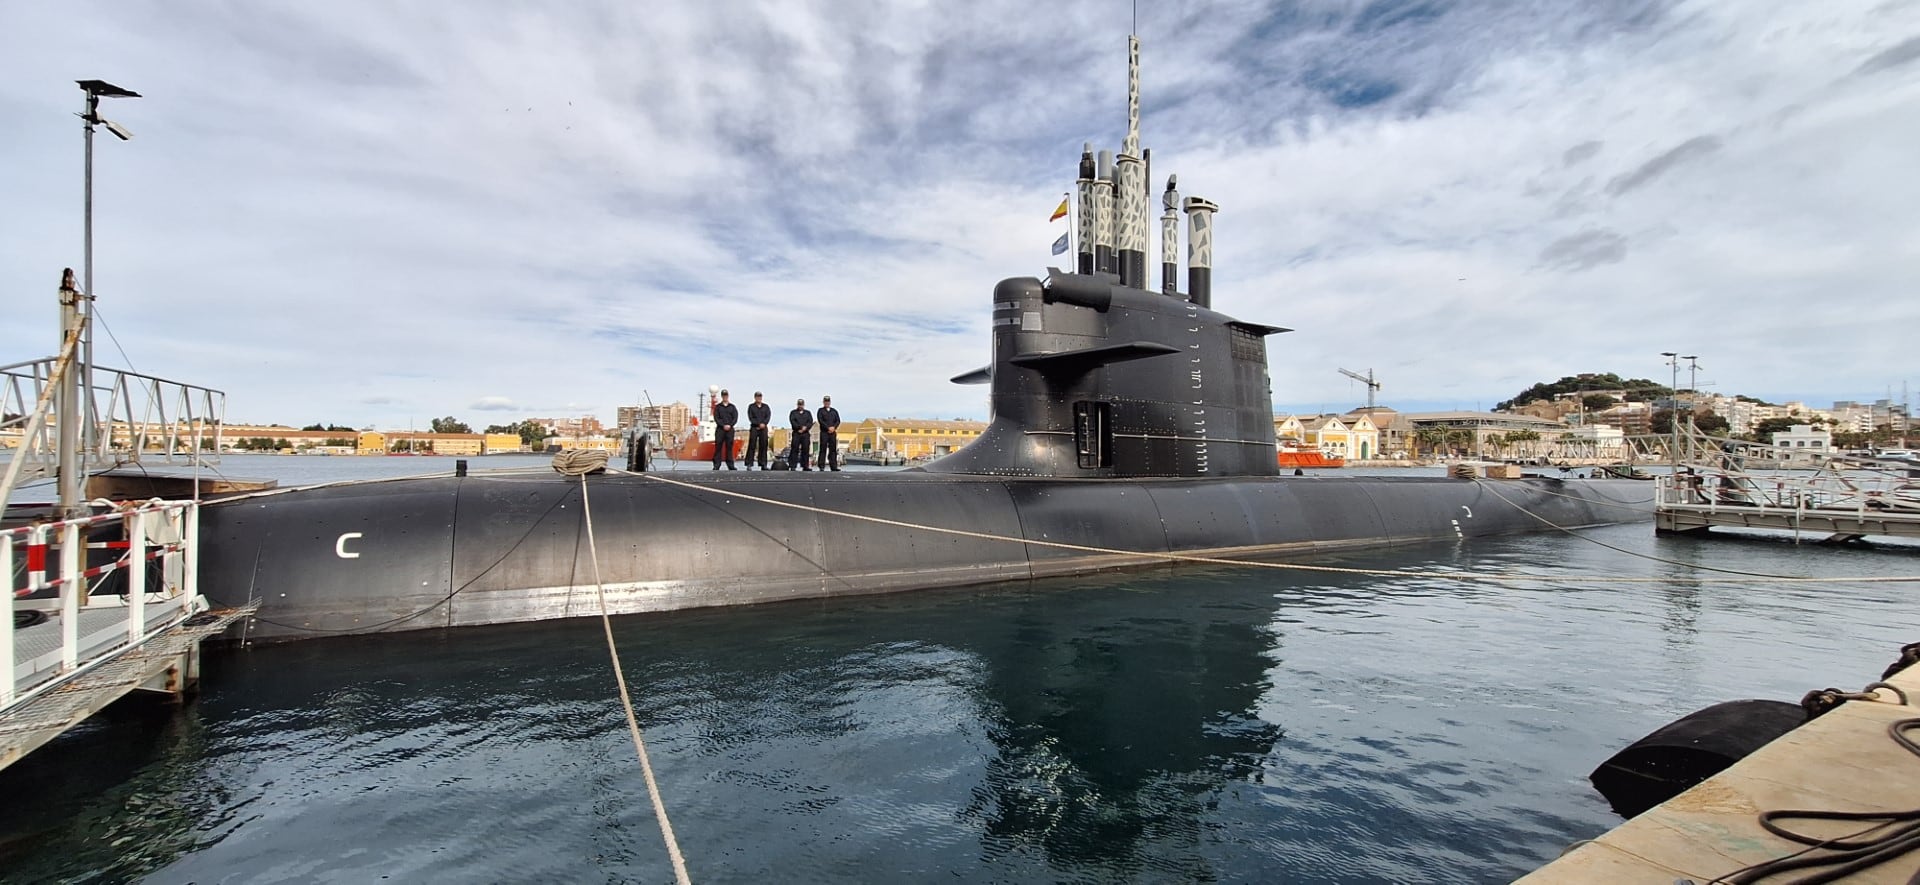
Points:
(1673, 403)
(1693, 390)
(95, 90)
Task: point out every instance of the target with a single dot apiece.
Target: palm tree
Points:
(1526, 436)
(1428, 439)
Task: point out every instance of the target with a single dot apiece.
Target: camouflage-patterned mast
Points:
(1170, 238)
(1103, 214)
(1130, 179)
(1083, 256)
(1200, 251)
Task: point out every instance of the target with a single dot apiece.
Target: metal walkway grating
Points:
(37, 720)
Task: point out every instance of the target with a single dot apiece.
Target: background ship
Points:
(696, 443)
(1293, 456)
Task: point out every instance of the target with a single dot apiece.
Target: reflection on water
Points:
(1252, 725)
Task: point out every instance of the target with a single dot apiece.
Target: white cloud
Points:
(347, 213)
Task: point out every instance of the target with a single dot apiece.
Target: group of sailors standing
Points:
(800, 423)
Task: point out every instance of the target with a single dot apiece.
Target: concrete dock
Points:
(1841, 761)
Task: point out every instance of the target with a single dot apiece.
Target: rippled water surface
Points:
(1172, 725)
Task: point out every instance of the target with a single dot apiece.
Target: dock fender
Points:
(1689, 750)
(1909, 653)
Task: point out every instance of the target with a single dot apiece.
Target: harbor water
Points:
(1173, 724)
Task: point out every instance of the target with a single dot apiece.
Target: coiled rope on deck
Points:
(619, 675)
(580, 462)
(1249, 563)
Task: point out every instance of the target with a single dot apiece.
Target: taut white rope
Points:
(626, 700)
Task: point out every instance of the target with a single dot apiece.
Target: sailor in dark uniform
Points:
(758, 416)
(725, 415)
(829, 435)
(800, 421)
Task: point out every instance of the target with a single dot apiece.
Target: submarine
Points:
(1130, 426)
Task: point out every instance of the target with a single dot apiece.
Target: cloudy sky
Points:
(377, 213)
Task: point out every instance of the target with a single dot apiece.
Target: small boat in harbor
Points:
(1292, 456)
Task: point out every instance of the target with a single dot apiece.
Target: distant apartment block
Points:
(584, 425)
(669, 419)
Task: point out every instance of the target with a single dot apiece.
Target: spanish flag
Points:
(1060, 212)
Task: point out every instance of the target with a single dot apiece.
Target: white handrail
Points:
(179, 592)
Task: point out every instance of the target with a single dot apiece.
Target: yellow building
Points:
(374, 442)
(1288, 429)
(911, 437)
(1340, 439)
(607, 444)
(502, 443)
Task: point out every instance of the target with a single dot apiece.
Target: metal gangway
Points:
(125, 418)
(103, 605)
(1836, 497)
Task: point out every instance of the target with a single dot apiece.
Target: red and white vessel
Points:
(1290, 454)
(696, 443)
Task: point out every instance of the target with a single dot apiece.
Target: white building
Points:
(1804, 442)
(1595, 441)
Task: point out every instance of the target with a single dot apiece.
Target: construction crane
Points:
(1366, 379)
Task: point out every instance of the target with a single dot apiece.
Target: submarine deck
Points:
(448, 551)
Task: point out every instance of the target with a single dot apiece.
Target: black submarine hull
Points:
(436, 552)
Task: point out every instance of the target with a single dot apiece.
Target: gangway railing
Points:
(59, 573)
(1734, 483)
(1713, 490)
(128, 418)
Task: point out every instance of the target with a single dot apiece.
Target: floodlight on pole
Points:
(95, 90)
(1673, 409)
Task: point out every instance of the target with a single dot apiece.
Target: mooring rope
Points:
(1249, 563)
(1647, 556)
(1625, 505)
(626, 699)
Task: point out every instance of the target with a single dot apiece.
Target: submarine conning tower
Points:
(1095, 376)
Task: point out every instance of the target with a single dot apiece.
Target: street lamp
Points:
(1673, 406)
(95, 90)
(1692, 390)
